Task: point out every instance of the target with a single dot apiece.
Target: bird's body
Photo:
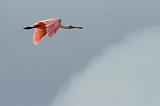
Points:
(49, 26)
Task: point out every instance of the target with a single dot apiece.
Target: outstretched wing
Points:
(52, 26)
(38, 35)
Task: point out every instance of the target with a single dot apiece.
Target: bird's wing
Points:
(38, 35)
(48, 22)
(52, 26)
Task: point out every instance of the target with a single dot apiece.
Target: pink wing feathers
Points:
(39, 32)
(52, 26)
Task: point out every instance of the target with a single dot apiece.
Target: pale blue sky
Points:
(32, 75)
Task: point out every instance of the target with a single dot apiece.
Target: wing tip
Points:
(35, 43)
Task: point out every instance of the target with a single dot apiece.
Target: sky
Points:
(126, 74)
(34, 75)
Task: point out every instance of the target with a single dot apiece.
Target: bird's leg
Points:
(30, 27)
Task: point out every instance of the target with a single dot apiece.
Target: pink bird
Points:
(47, 27)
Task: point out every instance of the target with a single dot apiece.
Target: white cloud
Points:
(127, 74)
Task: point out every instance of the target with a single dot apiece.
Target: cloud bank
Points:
(126, 74)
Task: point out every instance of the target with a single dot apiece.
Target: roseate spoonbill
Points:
(49, 26)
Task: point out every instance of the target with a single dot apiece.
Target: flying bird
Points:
(48, 27)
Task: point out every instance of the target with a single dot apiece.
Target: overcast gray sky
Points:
(32, 75)
(126, 74)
